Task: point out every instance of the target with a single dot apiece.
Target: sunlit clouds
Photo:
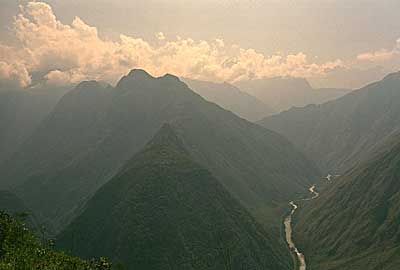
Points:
(382, 55)
(67, 53)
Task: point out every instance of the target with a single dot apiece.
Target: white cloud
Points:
(160, 36)
(75, 52)
(15, 74)
(381, 55)
(377, 56)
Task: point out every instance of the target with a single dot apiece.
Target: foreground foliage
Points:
(20, 250)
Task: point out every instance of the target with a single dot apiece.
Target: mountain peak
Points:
(139, 74)
(392, 76)
(142, 78)
(135, 76)
(167, 137)
(170, 77)
(89, 85)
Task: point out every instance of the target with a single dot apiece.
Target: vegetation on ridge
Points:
(21, 250)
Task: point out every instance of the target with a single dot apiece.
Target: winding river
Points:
(288, 229)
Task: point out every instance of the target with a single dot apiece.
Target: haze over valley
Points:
(211, 135)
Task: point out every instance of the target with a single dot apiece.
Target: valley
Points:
(199, 135)
(152, 175)
(149, 161)
(300, 258)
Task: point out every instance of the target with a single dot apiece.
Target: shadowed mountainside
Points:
(341, 133)
(163, 210)
(355, 223)
(231, 98)
(21, 111)
(94, 130)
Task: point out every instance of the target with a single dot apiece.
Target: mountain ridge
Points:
(94, 130)
(172, 211)
(342, 133)
(21, 112)
(283, 93)
(355, 222)
(231, 98)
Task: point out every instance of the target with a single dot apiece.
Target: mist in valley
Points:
(211, 135)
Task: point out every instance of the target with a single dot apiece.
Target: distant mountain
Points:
(231, 98)
(341, 133)
(94, 130)
(10, 203)
(21, 111)
(164, 210)
(355, 223)
(282, 93)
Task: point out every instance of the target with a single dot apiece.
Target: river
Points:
(288, 229)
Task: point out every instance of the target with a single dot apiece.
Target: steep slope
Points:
(231, 98)
(21, 111)
(163, 210)
(94, 130)
(20, 249)
(282, 93)
(355, 223)
(58, 166)
(12, 205)
(341, 133)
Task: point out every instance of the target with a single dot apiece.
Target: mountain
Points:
(344, 132)
(55, 162)
(355, 223)
(282, 93)
(163, 210)
(21, 111)
(94, 130)
(231, 98)
(12, 205)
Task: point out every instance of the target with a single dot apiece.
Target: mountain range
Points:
(339, 134)
(154, 175)
(21, 111)
(231, 98)
(95, 129)
(283, 93)
(164, 211)
(355, 223)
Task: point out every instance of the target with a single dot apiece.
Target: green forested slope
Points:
(94, 130)
(164, 211)
(342, 133)
(21, 250)
(355, 224)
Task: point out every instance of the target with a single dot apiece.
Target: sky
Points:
(332, 43)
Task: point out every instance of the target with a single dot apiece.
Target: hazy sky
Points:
(361, 34)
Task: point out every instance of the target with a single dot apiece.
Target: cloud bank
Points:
(72, 53)
(382, 55)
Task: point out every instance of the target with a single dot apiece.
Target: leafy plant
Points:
(21, 250)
